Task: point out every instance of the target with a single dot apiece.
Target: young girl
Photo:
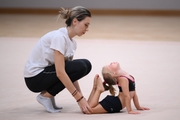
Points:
(114, 75)
(50, 67)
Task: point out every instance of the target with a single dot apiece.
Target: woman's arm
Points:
(62, 75)
(125, 88)
(76, 84)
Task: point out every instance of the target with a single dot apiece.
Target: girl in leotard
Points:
(114, 75)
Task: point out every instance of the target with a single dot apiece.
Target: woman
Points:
(51, 68)
(114, 75)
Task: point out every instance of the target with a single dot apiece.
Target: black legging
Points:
(47, 79)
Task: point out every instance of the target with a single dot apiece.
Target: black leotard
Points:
(131, 84)
(112, 104)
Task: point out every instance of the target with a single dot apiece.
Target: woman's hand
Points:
(143, 108)
(85, 108)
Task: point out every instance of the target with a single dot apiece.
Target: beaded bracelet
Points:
(80, 99)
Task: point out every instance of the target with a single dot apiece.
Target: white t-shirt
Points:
(42, 54)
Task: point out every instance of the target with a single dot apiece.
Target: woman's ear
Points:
(74, 21)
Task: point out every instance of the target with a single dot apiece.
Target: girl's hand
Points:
(133, 112)
(85, 108)
(143, 108)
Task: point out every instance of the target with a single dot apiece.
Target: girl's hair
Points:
(77, 12)
(108, 81)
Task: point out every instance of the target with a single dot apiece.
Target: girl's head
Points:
(79, 17)
(109, 73)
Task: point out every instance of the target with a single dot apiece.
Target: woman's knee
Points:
(87, 65)
(78, 67)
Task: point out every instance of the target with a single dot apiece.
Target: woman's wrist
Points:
(74, 93)
(77, 95)
(80, 99)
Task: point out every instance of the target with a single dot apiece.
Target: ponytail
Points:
(110, 88)
(108, 81)
(78, 12)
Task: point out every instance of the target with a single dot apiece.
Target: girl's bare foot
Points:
(100, 86)
(95, 81)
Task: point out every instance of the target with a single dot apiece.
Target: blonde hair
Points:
(77, 12)
(108, 81)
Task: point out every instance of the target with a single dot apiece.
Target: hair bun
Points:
(64, 13)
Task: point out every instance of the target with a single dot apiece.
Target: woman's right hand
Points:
(85, 108)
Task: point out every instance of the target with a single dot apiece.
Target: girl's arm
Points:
(125, 88)
(62, 75)
(136, 103)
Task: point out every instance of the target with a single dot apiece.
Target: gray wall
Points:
(94, 4)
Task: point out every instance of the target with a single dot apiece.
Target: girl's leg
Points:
(93, 89)
(93, 100)
(98, 110)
